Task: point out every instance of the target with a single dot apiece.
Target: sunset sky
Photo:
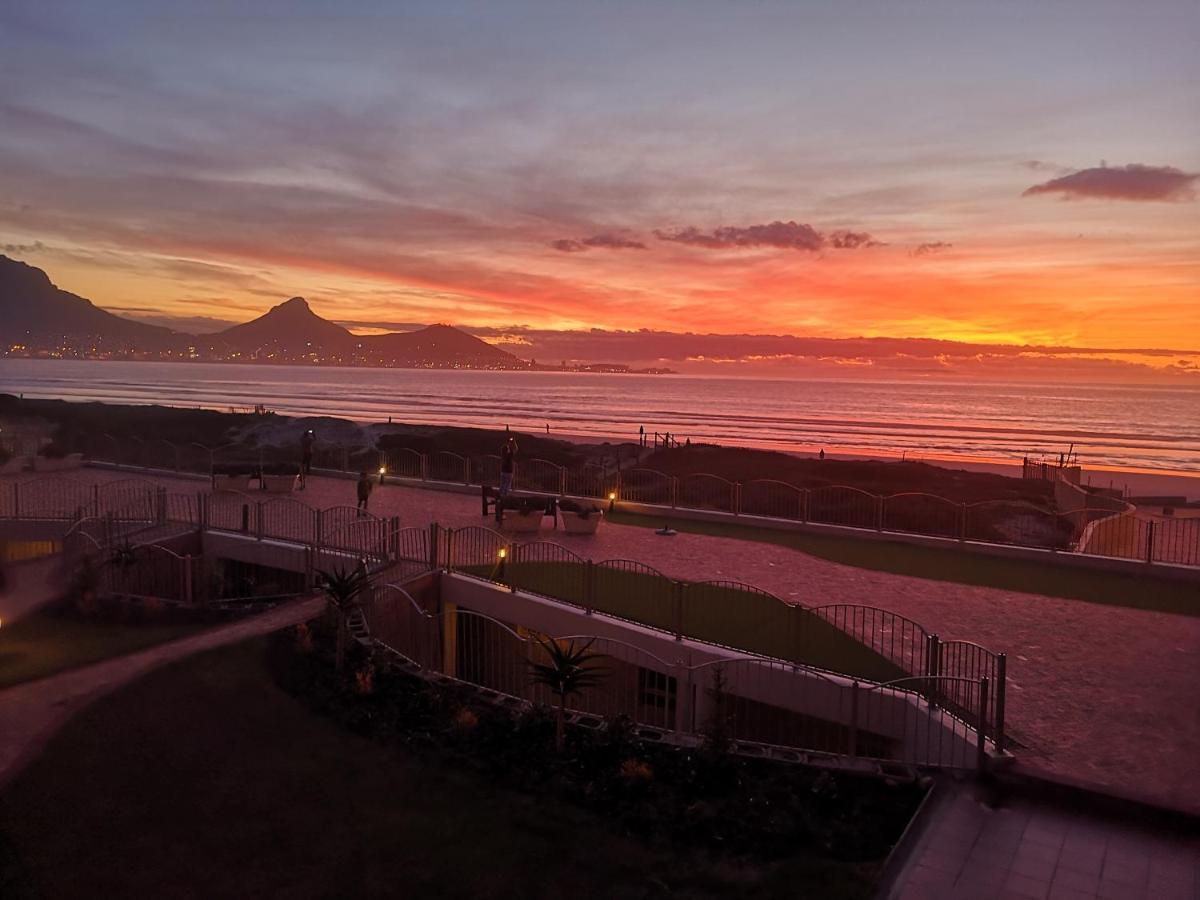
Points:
(996, 172)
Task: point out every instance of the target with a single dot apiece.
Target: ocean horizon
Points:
(1124, 427)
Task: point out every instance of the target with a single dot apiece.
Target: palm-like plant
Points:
(343, 589)
(566, 673)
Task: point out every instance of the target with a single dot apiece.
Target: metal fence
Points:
(1060, 527)
(750, 700)
(848, 639)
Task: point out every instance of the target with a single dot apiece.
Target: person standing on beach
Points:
(364, 491)
(307, 440)
(641, 435)
(508, 465)
(821, 455)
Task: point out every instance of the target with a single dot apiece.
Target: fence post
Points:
(562, 481)
(466, 470)
(96, 499)
(803, 504)
(1001, 683)
(677, 611)
(424, 457)
(160, 505)
(449, 549)
(933, 666)
(433, 546)
(258, 520)
(962, 521)
(879, 501)
(1150, 542)
(981, 732)
(16, 500)
(589, 588)
(674, 492)
(202, 511)
(737, 498)
(854, 718)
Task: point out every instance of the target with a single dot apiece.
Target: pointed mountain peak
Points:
(294, 305)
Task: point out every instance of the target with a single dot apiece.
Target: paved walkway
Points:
(1103, 694)
(1031, 851)
(30, 713)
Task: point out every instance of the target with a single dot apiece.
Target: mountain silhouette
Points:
(36, 313)
(34, 310)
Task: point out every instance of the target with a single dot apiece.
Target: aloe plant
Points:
(343, 589)
(566, 673)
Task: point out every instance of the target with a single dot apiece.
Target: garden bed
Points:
(752, 811)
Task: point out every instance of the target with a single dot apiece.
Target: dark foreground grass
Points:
(958, 566)
(206, 780)
(42, 644)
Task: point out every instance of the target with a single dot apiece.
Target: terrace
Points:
(1064, 705)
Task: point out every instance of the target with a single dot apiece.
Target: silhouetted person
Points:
(641, 435)
(307, 440)
(508, 465)
(821, 455)
(364, 491)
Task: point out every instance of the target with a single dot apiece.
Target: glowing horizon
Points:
(1017, 176)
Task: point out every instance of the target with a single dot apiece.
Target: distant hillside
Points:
(38, 316)
(292, 327)
(33, 309)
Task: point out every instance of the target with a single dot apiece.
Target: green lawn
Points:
(205, 779)
(947, 564)
(41, 644)
(722, 615)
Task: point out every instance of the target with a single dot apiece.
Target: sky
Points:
(1018, 173)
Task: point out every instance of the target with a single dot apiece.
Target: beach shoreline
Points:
(282, 429)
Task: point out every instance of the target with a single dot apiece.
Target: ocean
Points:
(1115, 426)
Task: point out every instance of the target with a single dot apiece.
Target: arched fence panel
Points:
(634, 591)
(705, 491)
(965, 662)
(231, 511)
(739, 615)
(52, 498)
(1015, 522)
(404, 462)
(772, 499)
(918, 732)
(147, 571)
(128, 499)
(647, 486)
(841, 505)
(862, 641)
(540, 476)
(449, 467)
(542, 567)
(590, 481)
(397, 621)
(921, 513)
(477, 551)
(180, 508)
(1174, 540)
(411, 545)
(490, 654)
(362, 535)
(485, 470)
(287, 519)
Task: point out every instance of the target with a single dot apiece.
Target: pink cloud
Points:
(781, 235)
